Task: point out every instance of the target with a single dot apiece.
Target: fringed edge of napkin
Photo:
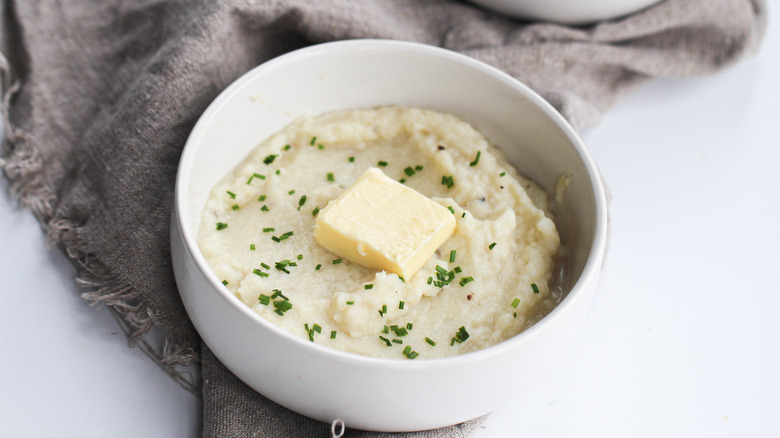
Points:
(23, 166)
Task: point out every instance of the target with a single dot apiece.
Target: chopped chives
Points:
(382, 164)
(401, 305)
(333, 334)
(252, 247)
(269, 159)
(265, 266)
(535, 288)
(491, 246)
(265, 208)
(260, 273)
(502, 174)
(452, 210)
(465, 280)
(254, 175)
(336, 262)
(351, 159)
(368, 286)
(317, 328)
(407, 350)
(235, 207)
(313, 140)
(452, 256)
(412, 355)
(315, 211)
(430, 280)
(318, 267)
(386, 329)
(409, 171)
(418, 168)
(231, 194)
(286, 147)
(460, 336)
(291, 192)
(299, 257)
(221, 226)
(515, 303)
(476, 159)
(409, 325)
(384, 308)
(398, 341)
(261, 198)
(430, 341)
(278, 171)
(349, 303)
(402, 180)
(225, 282)
(282, 306)
(463, 215)
(319, 146)
(268, 230)
(330, 177)
(447, 181)
(301, 202)
(264, 299)
(457, 270)
(386, 341)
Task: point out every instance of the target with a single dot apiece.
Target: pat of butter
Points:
(383, 224)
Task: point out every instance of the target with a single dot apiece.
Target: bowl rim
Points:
(592, 264)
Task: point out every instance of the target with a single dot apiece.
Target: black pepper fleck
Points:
(440, 147)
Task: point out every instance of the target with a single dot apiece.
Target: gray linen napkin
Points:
(99, 97)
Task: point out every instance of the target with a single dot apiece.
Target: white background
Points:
(683, 338)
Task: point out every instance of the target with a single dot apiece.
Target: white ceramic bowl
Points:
(574, 12)
(371, 393)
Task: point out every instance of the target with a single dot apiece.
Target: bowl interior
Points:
(362, 74)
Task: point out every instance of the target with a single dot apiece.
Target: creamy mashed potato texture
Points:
(484, 285)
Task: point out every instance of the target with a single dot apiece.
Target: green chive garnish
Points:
(299, 257)
(231, 194)
(409, 325)
(225, 282)
(535, 288)
(491, 246)
(409, 171)
(260, 273)
(515, 303)
(333, 334)
(330, 177)
(382, 164)
(368, 286)
(386, 341)
(301, 202)
(286, 147)
(291, 192)
(349, 303)
(336, 262)
(254, 175)
(452, 256)
(251, 246)
(412, 355)
(265, 266)
(447, 181)
(315, 211)
(407, 350)
(268, 230)
(318, 267)
(402, 180)
(476, 160)
(465, 280)
(351, 159)
(265, 208)
(221, 226)
(264, 299)
(418, 168)
(430, 341)
(261, 198)
(313, 140)
(460, 336)
(235, 207)
(502, 174)
(401, 305)
(269, 159)
(452, 210)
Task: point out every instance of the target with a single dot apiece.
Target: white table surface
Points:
(683, 338)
